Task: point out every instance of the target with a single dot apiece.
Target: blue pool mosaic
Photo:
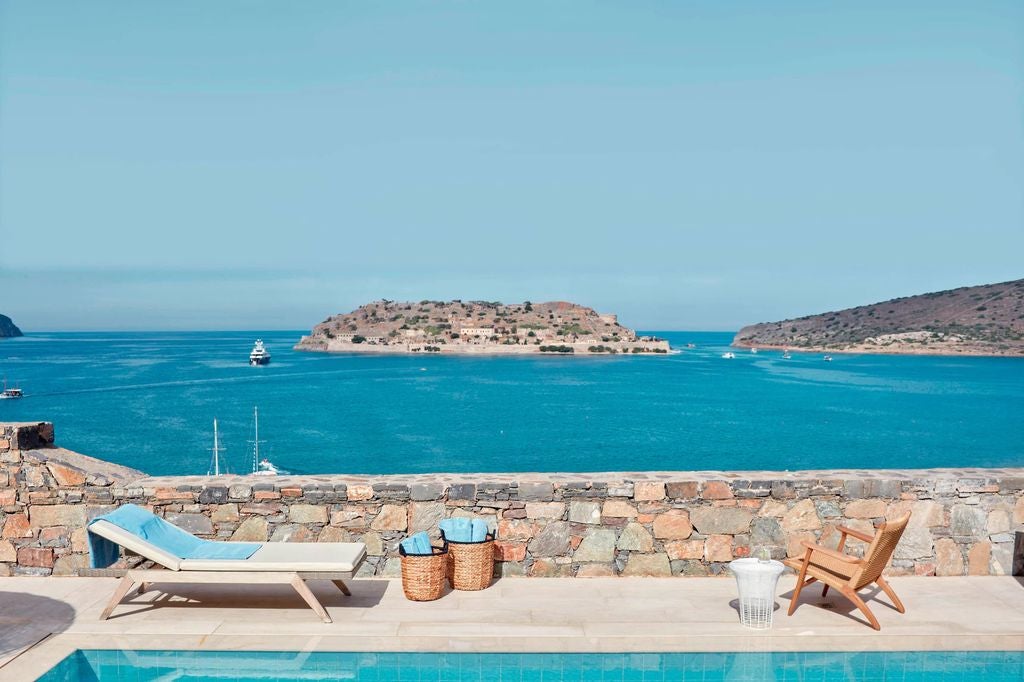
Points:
(206, 666)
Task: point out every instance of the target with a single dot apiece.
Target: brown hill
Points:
(980, 320)
(476, 327)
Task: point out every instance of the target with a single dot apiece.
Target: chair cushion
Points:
(327, 557)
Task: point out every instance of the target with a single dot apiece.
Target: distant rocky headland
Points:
(477, 327)
(979, 320)
(8, 328)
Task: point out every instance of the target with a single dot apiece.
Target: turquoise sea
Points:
(148, 400)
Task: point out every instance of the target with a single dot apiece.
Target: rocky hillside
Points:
(8, 328)
(476, 327)
(980, 320)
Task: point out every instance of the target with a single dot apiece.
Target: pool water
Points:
(197, 666)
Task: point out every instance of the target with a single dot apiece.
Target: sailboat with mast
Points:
(261, 466)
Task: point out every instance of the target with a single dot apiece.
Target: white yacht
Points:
(728, 356)
(754, 351)
(828, 358)
(259, 354)
(786, 355)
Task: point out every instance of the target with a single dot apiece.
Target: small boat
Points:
(754, 351)
(259, 354)
(10, 393)
(691, 345)
(728, 356)
(828, 358)
(786, 355)
(267, 468)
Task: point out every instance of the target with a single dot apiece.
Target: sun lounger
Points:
(847, 573)
(269, 562)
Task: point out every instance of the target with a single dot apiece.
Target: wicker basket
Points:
(423, 574)
(470, 564)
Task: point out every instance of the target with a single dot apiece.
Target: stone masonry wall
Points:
(651, 523)
(47, 494)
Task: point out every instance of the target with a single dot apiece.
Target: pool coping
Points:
(609, 615)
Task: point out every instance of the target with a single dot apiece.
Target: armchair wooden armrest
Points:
(855, 533)
(813, 548)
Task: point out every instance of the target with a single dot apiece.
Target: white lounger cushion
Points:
(327, 557)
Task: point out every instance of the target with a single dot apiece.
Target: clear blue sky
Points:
(688, 165)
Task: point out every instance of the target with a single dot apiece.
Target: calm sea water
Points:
(148, 400)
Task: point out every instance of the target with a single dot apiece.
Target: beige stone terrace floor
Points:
(43, 619)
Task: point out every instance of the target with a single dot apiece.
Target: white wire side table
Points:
(756, 580)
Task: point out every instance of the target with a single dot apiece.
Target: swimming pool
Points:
(202, 666)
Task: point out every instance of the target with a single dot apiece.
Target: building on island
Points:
(484, 332)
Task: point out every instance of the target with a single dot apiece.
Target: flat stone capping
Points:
(732, 477)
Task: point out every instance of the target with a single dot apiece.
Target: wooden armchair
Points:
(847, 573)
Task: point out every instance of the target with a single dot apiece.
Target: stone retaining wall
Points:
(650, 523)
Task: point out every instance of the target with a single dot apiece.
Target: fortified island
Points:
(478, 328)
(8, 328)
(978, 320)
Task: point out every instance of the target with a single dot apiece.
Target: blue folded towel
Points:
(479, 531)
(456, 529)
(462, 529)
(168, 537)
(417, 544)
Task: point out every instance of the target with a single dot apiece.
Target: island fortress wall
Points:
(650, 523)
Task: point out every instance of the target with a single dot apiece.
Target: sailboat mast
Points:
(256, 443)
(216, 451)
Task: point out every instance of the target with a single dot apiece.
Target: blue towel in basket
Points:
(462, 529)
(417, 544)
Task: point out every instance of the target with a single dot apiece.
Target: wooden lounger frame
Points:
(142, 578)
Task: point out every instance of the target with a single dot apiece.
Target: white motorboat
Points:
(728, 356)
(259, 354)
(786, 355)
(10, 393)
